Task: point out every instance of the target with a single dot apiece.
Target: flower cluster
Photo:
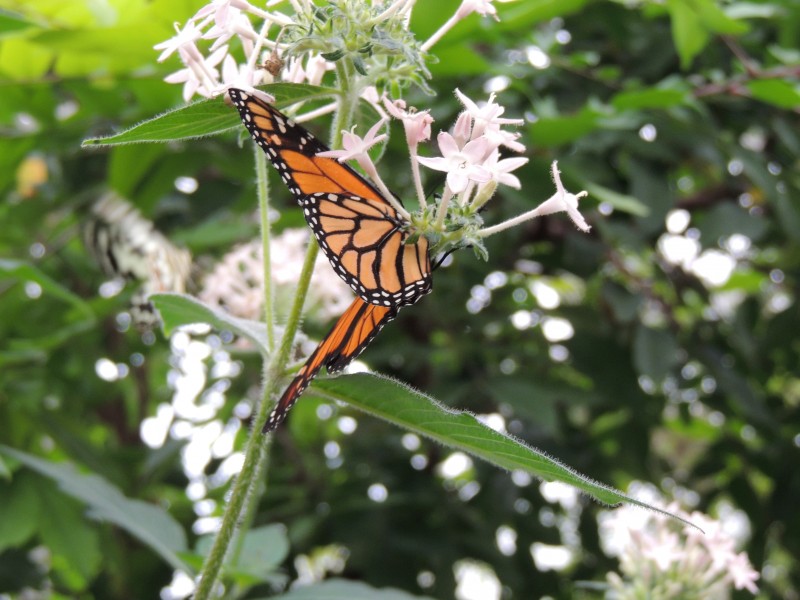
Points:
(372, 51)
(372, 35)
(237, 281)
(471, 159)
(661, 557)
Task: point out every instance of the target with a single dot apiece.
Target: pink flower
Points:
(462, 165)
(417, 124)
(743, 573)
(500, 170)
(482, 7)
(184, 37)
(235, 24)
(486, 116)
(563, 201)
(355, 147)
(462, 130)
(200, 75)
(498, 137)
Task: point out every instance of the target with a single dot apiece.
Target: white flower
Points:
(355, 147)
(462, 165)
(482, 7)
(485, 116)
(240, 77)
(184, 37)
(661, 555)
(237, 281)
(500, 170)
(563, 201)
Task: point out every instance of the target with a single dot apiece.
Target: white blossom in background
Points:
(661, 557)
(237, 281)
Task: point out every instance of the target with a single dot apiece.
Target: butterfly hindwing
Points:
(354, 330)
(365, 243)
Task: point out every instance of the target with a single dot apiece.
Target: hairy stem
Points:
(247, 487)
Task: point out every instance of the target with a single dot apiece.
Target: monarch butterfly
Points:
(363, 236)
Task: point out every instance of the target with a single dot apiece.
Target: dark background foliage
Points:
(666, 379)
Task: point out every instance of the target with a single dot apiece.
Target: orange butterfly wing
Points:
(354, 330)
(360, 232)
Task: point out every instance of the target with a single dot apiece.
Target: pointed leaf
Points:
(621, 202)
(340, 589)
(399, 404)
(22, 270)
(180, 309)
(777, 92)
(264, 548)
(205, 117)
(151, 524)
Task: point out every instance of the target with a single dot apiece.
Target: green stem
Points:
(246, 486)
(348, 99)
(258, 487)
(256, 456)
(262, 186)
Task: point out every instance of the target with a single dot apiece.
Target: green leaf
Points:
(555, 131)
(264, 548)
(458, 60)
(745, 280)
(69, 537)
(11, 23)
(180, 309)
(199, 119)
(24, 60)
(777, 92)
(688, 33)
(723, 220)
(27, 272)
(149, 523)
(21, 499)
(716, 20)
(340, 589)
(655, 352)
(259, 557)
(517, 15)
(621, 202)
(623, 303)
(401, 405)
(206, 117)
(693, 22)
(650, 98)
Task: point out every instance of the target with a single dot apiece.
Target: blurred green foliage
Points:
(668, 377)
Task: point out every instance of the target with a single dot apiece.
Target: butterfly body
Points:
(366, 241)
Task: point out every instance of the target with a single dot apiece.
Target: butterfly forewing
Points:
(360, 232)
